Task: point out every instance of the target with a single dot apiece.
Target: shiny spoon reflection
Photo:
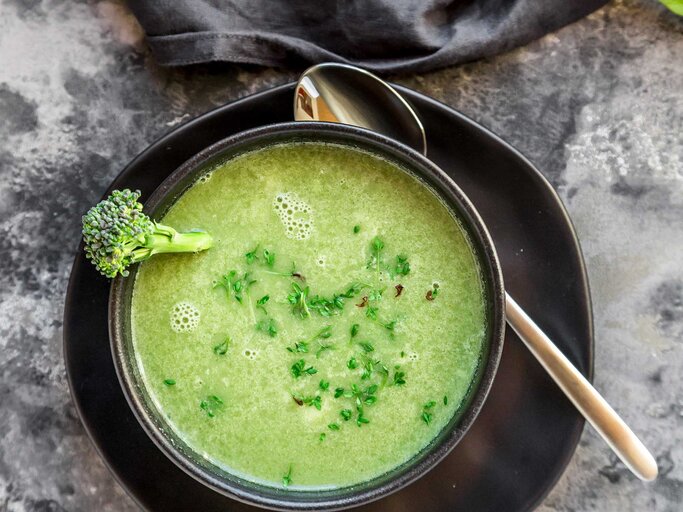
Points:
(339, 93)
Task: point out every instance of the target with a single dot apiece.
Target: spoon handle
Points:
(582, 394)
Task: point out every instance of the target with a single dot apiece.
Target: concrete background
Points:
(597, 106)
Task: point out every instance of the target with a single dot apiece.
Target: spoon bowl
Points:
(338, 93)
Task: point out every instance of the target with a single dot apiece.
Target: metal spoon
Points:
(340, 93)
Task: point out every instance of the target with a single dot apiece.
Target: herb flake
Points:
(222, 348)
(427, 414)
(252, 255)
(269, 258)
(299, 368)
(399, 378)
(287, 478)
(268, 327)
(210, 405)
(261, 303)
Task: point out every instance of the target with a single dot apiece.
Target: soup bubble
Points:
(206, 177)
(184, 317)
(250, 353)
(295, 214)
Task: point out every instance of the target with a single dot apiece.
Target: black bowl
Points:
(154, 423)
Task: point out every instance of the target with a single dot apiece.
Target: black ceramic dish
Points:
(526, 432)
(279, 498)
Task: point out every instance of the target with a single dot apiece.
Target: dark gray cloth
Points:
(381, 35)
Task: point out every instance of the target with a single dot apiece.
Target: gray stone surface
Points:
(598, 106)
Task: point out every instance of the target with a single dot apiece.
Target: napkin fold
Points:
(386, 36)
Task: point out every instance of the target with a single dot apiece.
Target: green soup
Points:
(332, 331)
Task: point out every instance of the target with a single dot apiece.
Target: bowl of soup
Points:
(339, 338)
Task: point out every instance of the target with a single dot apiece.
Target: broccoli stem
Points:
(165, 239)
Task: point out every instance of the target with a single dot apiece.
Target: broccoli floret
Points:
(117, 233)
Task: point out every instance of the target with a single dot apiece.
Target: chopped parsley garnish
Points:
(302, 303)
(323, 333)
(333, 426)
(376, 248)
(366, 346)
(299, 368)
(370, 367)
(372, 311)
(269, 257)
(382, 370)
(298, 299)
(401, 266)
(322, 436)
(427, 415)
(324, 385)
(354, 330)
(169, 382)
(375, 295)
(338, 392)
(445, 400)
(222, 348)
(252, 255)
(399, 378)
(300, 346)
(356, 229)
(287, 479)
(352, 364)
(371, 390)
(235, 286)
(210, 405)
(361, 420)
(323, 348)
(361, 397)
(261, 303)
(332, 306)
(315, 401)
(268, 327)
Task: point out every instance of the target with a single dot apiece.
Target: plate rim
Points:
(410, 94)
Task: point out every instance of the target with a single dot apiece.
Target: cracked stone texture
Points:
(596, 106)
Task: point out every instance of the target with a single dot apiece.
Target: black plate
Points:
(526, 432)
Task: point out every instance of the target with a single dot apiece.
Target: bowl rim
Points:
(491, 268)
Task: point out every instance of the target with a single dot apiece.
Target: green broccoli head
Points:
(116, 233)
